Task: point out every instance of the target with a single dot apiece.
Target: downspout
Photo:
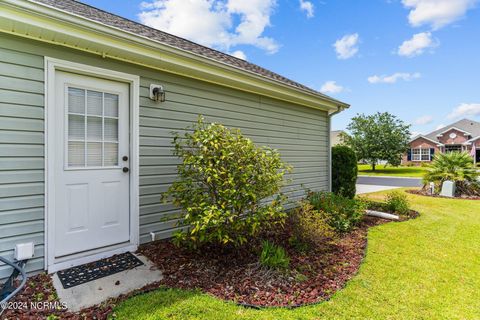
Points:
(330, 115)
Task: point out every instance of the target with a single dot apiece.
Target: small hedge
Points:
(228, 188)
(344, 171)
(342, 213)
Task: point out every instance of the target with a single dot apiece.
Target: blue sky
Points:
(432, 79)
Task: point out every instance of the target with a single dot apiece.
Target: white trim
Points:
(428, 139)
(465, 133)
(468, 142)
(51, 65)
(420, 154)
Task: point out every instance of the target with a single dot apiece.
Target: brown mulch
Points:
(232, 274)
(424, 193)
(236, 275)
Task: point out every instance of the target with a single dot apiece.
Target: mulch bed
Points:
(235, 274)
(424, 193)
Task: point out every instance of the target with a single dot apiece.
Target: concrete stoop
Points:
(95, 292)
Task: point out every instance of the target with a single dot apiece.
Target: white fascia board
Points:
(465, 133)
(438, 144)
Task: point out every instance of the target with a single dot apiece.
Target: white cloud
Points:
(394, 77)
(415, 133)
(308, 7)
(436, 13)
(331, 87)
(347, 46)
(220, 24)
(465, 110)
(423, 120)
(417, 45)
(440, 126)
(239, 54)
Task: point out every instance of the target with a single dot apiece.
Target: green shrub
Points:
(457, 167)
(273, 256)
(453, 166)
(343, 213)
(309, 227)
(344, 171)
(223, 177)
(397, 202)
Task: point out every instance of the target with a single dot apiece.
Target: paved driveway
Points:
(367, 184)
(390, 181)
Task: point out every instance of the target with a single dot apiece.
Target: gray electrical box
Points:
(448, 189)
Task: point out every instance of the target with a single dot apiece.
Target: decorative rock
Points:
(448, 189)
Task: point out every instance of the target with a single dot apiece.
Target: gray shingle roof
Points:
(470, 126)
(113, 20)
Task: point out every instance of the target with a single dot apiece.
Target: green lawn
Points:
(427, 268)
(380, 170)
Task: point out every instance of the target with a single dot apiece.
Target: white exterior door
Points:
(91, 176)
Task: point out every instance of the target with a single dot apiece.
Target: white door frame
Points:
(51, 66)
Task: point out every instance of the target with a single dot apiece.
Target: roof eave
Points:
(44, 23)
(465, 133)
(439, 144)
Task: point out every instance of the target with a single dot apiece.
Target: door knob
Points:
(125, 169)
(125, 158)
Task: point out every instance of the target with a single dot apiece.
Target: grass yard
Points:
(426, 268)
(366, 170)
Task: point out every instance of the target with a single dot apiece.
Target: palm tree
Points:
(453, 166)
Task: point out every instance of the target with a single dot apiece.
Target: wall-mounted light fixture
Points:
(157, 93)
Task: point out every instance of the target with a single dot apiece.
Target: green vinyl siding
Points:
(299, 133)
(21, 154)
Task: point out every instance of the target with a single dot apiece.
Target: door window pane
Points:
(111, 129)
(76, 100)
(94, 128)
(76, 154)
(76, 127)
(94, 103)
(94, 154)
(111, 105)
(92, 116)
(111, 154)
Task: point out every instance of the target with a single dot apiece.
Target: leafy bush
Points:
(309, 226)
(457, 167)
(273, 256)
(344, 171)
(223, 177)
(397, 202)
(342, 213)
(453, 166)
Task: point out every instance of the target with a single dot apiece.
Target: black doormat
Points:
(95, 270)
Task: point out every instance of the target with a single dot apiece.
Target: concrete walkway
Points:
(95, 292)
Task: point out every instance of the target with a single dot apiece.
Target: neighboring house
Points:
(88, 102)
(460, 136)
(336, 137)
